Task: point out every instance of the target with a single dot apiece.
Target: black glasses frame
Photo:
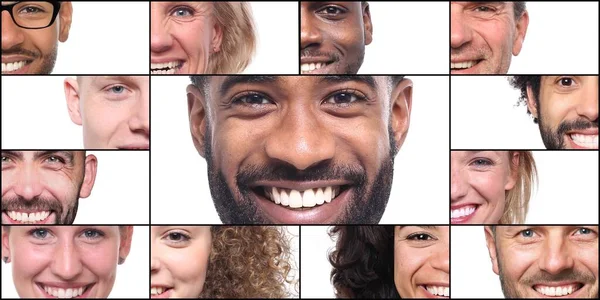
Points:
(55, 4)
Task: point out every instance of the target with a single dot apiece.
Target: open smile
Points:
(27, 217)
(464, 67)
(462, 213)
(17, 67)
(558, 290)
(434, 291)
(166, 68)
(65, 291)
(160, 291)
(580, 140)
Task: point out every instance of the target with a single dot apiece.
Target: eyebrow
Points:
(37, 154)
(232, 81)
(126, 79)
(368, 80)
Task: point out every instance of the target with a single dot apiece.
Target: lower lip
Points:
(575, 145)
(8, 220)
(327, 213)
(463, 219)
(165, 294)
(574, 294)
(322, 70)
(470, 70)
(430, 295)
(22, 70)
(86, 293)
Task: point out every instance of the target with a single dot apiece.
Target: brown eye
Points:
(566, 81)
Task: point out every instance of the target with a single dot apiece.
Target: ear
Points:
(531, 102)
(197, 114)
(5, 245)
(520, 33)
(368, 25)
(125, 245)
(489, 239)
(91, 163)
(401, 103)
(65, 15)
(513, 161)
(217, 38)
(72, 96)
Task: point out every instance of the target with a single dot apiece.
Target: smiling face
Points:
(183, 36)
(296, 149)
(545, 261)
(333, 36)
(484, 36)
(479, 182)
(33, 51)
(567, 111)
(65, 261)
(179, 260)
(113, 110)
(422, 261)
(44, 187)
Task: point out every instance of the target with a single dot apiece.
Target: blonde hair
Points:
(517, 199)
(239, 38)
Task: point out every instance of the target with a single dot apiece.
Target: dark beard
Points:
(366, 206)
(47, 61)
(41, 204)
(556, 139)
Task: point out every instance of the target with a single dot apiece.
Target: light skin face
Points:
(292, 133)
(567, 111)
(422, 261)
(333, 36)
(479, 181)
(66, 258)
(538, 261)
(484, 36)
(179, 260)
(113, 110)
(33, 51)
(44, 187)
(183, 36)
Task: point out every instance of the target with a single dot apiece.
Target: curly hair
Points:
(248, 262)
(521, 83)
(362, 262)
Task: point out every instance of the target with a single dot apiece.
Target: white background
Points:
(408, 38)
(132, 276)
(179, 181)
(562, 38)
(316, 269)
(485, 115)
(106, 38)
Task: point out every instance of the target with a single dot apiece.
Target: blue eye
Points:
(92, 234)
(39, 233)
(527, 233)
(182, 12)
(482, 162)
(55, 159)
(584, 231)
(117, 89)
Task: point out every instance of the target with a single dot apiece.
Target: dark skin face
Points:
(333, 36)
(297, 134)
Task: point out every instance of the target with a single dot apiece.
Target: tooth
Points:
(308, 198)
(285, 199)
(304, 67)
(69, 293)
(19, 216)
(61, 293)
(319, 196)
(570, 289)
(75, 292)
(53, 292)
(153, 291)
(564, 291)
(295, 199)
(447, 291)
(81, 290)
(159, 290)
(551, 291)
(327, 194)
(276, 196)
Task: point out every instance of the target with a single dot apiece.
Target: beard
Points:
(65, 214)
(366, 206)
(47, 62)
(555, 139)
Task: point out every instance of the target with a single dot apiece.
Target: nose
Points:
(12, 35)
(556, 256)
(310, 35)
(458, 183)
(154, 264)
(28, 183)
(301, 139)
(588, 105)
(160, 37)
(139, 122)
(67, 263)
(460, 31)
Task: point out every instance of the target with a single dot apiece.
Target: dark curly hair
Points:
(521, 83)
(363, 262)
(248, 262)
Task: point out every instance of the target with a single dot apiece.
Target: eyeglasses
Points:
(33, 14)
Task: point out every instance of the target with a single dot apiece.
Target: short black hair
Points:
(519, 8)
(521, 83)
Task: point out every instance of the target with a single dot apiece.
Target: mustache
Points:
(469, 52)
(308, 52)
(36, 203)
(566, 275)
(20, 51)
(281, 171)
(579, 124)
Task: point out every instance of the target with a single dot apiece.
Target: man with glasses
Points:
(30, 34)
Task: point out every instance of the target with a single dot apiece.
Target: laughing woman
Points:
(220, 262)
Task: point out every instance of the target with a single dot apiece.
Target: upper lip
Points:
(589, 131)
(135, 146)
(315, 59)
(457, 206)
(444, 284)
(165, 60)
(64, 285)
(300, 185)
(558, 283)
(15, 58)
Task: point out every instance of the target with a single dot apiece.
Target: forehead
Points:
(89, 80)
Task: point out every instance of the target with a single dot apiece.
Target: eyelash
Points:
(360, 97)
(339, 10)
(184, 8)
(98, 233)
(32, 232)
(590, 231)
(482, 162)
(237, 100)
(560, 79)
(490, 9)
(60, 159)
(415, 237)
(185, 237)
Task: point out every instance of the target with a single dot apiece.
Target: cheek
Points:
(62, 184)
(188, 267)
(490, 185)
(28, 261)
(195, 40)
(45, 40)
(495, 34)
(407, 262)
(102, 260)
(101, 119)
(555, 108)
(516, 262)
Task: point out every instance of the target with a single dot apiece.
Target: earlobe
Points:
(197, 115)
(5, 247)
(368, 25)
(91, 164)
(125, 245)
(217, 38)
(532, 103)
(489, 238)
(72, 96)
(514, 171)
(66, 17)
(401, 106)
(521, 31)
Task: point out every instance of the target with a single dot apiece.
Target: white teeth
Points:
(307, 68)
(462, 65)
(439, 290)
(10, 67)
(585, 140)
(170, 67)
(555, 291)
(28, 218)
(157, 290)
(298, 199)
(462, 212)
(64, 293)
